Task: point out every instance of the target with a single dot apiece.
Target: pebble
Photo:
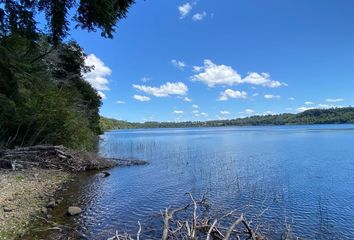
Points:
(44, 210)
(51, 204)
(7, 209)
(72, 211)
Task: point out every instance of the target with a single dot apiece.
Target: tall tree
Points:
(18, 16)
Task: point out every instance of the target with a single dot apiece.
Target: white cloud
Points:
(329, 106)
(185, 9)
(325, 105)
(187, 99)
(271, 96)
(262, 79)
(195, 106)
(224, 112)
(249, 111)
(164, 90)
(302, 109)
(141, 98)
(255, 94)
(145, 79)
(202, 114)
(268, 113)
(309, 103)
(199, 16)
(97, 77)
(217, 74)
(291, 98)
(197, 68)
(178, 112)
(101, 94)
(229, 93)
(212, 74)
(178, 64)
(120, 102)
(195, 111)
(332, 100)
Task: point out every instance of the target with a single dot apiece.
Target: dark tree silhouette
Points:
(18, 16)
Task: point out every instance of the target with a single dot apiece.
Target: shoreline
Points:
(25, 195)
(32, 180)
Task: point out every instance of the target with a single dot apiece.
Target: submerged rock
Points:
(72, 211)
(106, 174)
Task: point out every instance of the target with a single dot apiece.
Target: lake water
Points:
(302, 175)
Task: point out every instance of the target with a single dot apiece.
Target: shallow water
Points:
(303, 175)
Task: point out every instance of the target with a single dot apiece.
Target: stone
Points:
(44, 210)
(51, 204)
(106, 174)
(7, 209)
(72, 211)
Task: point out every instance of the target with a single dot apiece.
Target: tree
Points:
(17, 16)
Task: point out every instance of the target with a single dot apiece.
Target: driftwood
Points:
(194, 227)
(58, 157)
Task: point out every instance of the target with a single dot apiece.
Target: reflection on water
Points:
(303, 175)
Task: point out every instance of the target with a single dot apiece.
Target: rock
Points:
(106, 174)
(51, 204)
(7, 209)
(44, 210)
(72, 211)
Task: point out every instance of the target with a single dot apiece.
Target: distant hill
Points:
(313, 116)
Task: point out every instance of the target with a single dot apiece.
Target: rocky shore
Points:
(25, 194)
(30, 177)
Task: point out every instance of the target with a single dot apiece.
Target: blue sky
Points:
(199, 60)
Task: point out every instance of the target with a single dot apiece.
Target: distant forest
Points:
(313, 116)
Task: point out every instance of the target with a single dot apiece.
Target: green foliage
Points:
(17, 16)
(110, 123)
(45, 101)
(313, 116)
(43, 96)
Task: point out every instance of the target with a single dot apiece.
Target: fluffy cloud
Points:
(164, 90)
(249, 111)
(332, 100)
(199, 16)
(200, 114)
(291, 98)
(262, 79)
(187, 99)
(229, 93)
(303, 109)
(271, 96)
(195, 106)
(224, 112)
(178, 64)
(97, 77)
(141, 98)
(178, 112)
(212, 74)
(145, 79)
(185, 9)
(309, 103)
(120, 102)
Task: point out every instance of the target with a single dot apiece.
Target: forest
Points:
(44, 98)
(312, 116)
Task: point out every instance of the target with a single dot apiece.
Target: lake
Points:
(300, 175)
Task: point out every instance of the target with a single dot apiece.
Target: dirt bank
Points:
(23, 194)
